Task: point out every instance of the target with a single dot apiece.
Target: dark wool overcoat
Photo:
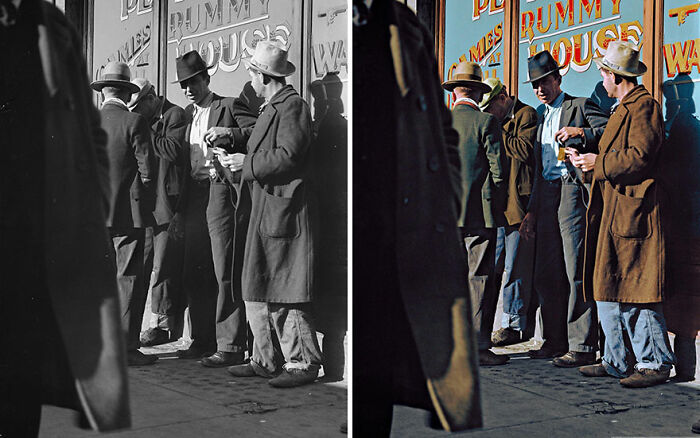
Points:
(625, 252)
(80, 268)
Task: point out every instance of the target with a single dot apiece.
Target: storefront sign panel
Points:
(681, 52)
(225, 32)
(474, 32)
(575, 31)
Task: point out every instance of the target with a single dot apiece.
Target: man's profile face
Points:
(195, 88)
(146, 106)
(256, 81)
(547, 89)
(608, 81)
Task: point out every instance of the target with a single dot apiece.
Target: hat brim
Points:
(541, 76)
(451, 84)
(641, 68)
(190, 76)
(289, 69)
(139, 97)
(99, 85)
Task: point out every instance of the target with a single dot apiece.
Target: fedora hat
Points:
(622, 57)
(270, 58)
(466, 74)
(496, 87)
(115, 74)
(145, 87)
(540, 65)
(189, 65)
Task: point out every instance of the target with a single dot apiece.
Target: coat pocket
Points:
(632, 215)
(280, 217)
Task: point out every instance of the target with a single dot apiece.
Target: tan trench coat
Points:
(80, 268)
(625, 254)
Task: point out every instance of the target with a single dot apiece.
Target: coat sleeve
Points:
(245, 112)
(630, 164)
(169, 141)
(537, 176)
(495, 153)
(520, 144)
(287, 156)
(141, 142)
(596, 120)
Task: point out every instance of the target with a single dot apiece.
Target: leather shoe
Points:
(644, 377)
(289, 378)
(223, 359)
(546, 352)
(596, 370)
(136, 358)
(243, 370)
(194, 352)
(154, 336)
(695, 427)
(574, 359)
(505, 336)
(489, 358)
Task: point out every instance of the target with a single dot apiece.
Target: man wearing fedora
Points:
(217, 313)
(163, 253)
(483, 197)
(278, 269)
(625, 263)
(514, 256)
(556, 215)
(131, 176)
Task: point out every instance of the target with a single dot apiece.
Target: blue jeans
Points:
(646, 334)
(514, 266)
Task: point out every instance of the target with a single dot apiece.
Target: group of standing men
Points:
(528, 178)
(223, 191)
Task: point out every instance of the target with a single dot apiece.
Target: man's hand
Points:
(585, 162)
(215, 133)
(527, 227)
(568, 132)
(232, 161)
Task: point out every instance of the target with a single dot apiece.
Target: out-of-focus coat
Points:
(625, 252)
(80, 268)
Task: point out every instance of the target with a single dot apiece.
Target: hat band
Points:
(114, 77)
(259, 64)
(614, 66)
(465, 77)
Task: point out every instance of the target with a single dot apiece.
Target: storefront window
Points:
(575, 31)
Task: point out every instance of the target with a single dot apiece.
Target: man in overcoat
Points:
(484, 175)
(217, 312)
(514, 256)
(278, 264)
(556, 215)
(163, 253)
(62, 340)
(132, 174)
(413, 340)
(625, 265)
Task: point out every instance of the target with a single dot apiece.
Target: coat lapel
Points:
(261, 127)
(567, 111)
(612, 130)
(214, 112)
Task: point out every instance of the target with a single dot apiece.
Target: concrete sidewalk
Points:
(533, 398)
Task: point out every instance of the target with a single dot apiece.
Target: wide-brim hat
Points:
(145, 87)
(540, 65)
(115, 74)
(496, 87)
(622, 57)
(466, 74)
(270, 58)
(189, 65)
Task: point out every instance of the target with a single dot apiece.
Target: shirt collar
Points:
(557, 102)
(467, 100)
(115, 101)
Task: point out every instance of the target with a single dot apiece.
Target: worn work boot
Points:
(505, 336)
(574, 359)
(155, 336)
(292, 377)
(244, 370)
(643, 378)
(136, 358)
(489, 358)
(222, 359)
(695, 427)
(546, 352)
(597, 370)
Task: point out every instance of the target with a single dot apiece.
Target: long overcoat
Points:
(430, 257)
(625, 253)
(80, 268)
(278, 265)
(519, 137)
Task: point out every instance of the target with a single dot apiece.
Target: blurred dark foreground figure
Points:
(60, 334)
(413, 340)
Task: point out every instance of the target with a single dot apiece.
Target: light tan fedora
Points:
(467, 74)
(145, 87)
(115, 74)
(270, 57)
(496, 87)
(622, 57)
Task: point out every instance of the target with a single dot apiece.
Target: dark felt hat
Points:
(189, 65)
(540, 65)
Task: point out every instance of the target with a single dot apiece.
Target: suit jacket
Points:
(519, 136)
(131, 167)
(579, 112)
(625, 257)
(483, 168)
(168, 132)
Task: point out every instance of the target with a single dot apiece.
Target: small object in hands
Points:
(561, 155)
(223, 143)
